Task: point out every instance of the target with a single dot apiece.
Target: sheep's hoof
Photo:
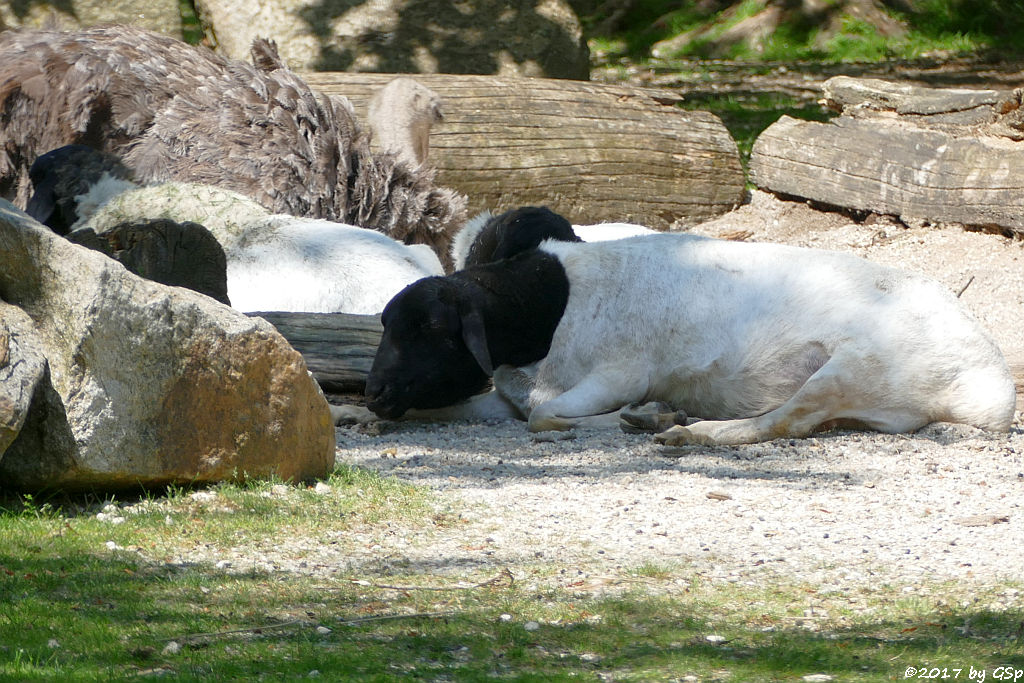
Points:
(549, 423)
(649, 418)
(684, 436)
(351, 415)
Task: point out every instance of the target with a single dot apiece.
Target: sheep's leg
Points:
(488, 406)
(827, 395)
(515, 385)
(593, 402)
(654, 416)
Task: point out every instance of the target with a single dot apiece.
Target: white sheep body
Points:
(289, 264)
(784, 337)
(277, 262)
(603, 232)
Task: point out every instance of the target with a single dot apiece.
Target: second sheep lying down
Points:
(762, 341)
(486, 238)
(284, 263)
(274, 262)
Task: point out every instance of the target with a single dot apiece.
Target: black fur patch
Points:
(424, 359)
(516, 231)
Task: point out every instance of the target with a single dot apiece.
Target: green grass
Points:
(933, 27)
(747, 115)
(191, 27)
(86, 599)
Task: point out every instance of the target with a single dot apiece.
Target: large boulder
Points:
(163, 16)
(181, 254)
(22, 366)
(504, 37)
(149, 384)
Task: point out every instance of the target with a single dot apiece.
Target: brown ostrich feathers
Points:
(171, 111)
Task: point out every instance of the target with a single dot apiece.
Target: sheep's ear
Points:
(476, 339)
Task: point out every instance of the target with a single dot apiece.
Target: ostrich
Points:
(401, 114)
(171, 111)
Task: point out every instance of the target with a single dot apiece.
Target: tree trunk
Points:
(589, 151)
(950, 156)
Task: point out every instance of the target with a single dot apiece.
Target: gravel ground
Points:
(844, 509)
(849, 508)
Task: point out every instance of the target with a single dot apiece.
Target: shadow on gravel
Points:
(463, 455)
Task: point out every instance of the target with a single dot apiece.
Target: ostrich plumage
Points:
(171, 111)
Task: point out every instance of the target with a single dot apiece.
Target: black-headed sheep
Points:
(274, 262)
(762, 341)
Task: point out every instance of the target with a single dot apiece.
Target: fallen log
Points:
(953, 105)
(952, 156)
(338, 347)
(593, 152)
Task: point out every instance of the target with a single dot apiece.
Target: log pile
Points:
(592, 152)
(939, 155)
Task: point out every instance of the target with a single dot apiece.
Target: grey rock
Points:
(163, 16)
(505, 37)
(22, 366)
(150, 384)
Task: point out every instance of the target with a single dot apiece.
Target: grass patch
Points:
(191, 28)
(932, 27)
(746, 115)
(94, 591)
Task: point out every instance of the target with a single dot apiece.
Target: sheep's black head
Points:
(433, 352)
(61, 175)
(517, 231)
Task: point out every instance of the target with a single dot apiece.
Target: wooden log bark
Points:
(912, 152)
(593, 152)
(338, 347)
(844, 93)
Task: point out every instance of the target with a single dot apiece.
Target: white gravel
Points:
(844, 509)
(847, 508)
